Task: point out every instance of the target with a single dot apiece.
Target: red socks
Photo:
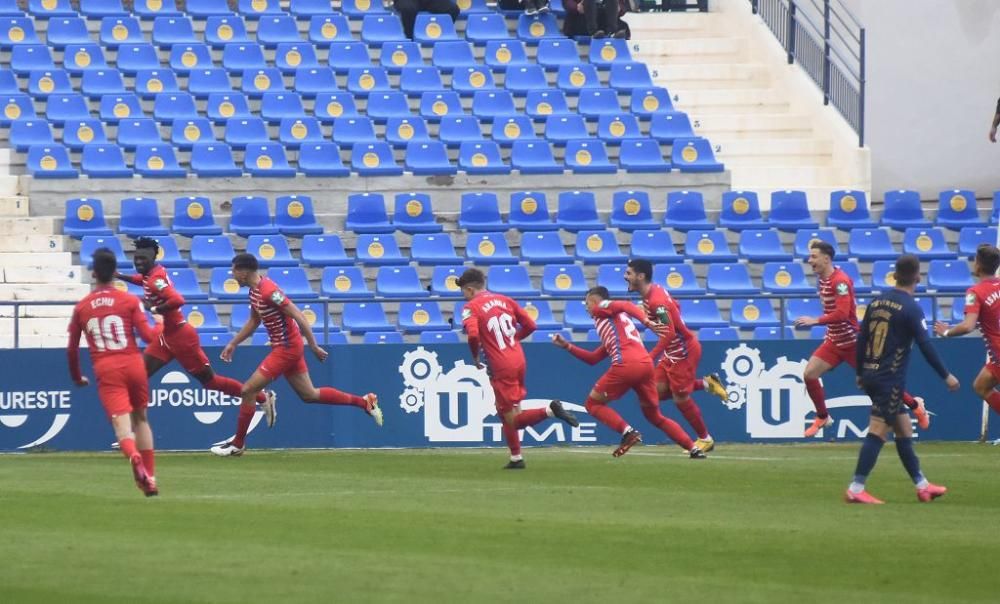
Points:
(128, 447)
(671, 428)
(513, 439)
(243, 424)
(909, 401)
(530, 417)
(993, 400)
(231, 387)
(699, 384)
(815, 390)
(148, 460)
(606, 415)
(692, 414)
(332, 396)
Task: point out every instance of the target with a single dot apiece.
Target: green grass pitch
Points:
(750, 524)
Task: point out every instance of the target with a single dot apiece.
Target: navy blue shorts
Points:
(887, 400)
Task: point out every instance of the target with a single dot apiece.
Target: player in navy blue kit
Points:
(892, 322)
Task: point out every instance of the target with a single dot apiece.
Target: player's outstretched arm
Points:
(135, 279)
(927, 349)
(289, 309)
(245, 332)
(967, 325)
(73, 351)
(591, 357)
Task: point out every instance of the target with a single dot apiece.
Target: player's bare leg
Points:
(985, 386)
(144, 442)
(815, 368)
(597, 406)
(122, 425)
(256, 384)
(302, 384)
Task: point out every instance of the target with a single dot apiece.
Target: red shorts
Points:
(833, 355)
(679, 375)
(508, 388)
(179, 343)
(122, 384)
(284, 361)
(631, 376)
(994, 370)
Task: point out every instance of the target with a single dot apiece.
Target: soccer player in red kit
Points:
(495, 325)
(286, 327)
(982, 310)
(108, 317)
(676, 372)
(178, 339)
(840, 315)
(631, 369)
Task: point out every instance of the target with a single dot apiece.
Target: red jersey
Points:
(160, 293)
(840, 312)
(982, 299)
(658, 303)
(266, 300)
(620, 340)
(109, 318)
(496, 325)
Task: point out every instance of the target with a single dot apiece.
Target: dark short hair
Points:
(642, 267)
(600, 291)
(473, 277)
(245, 261)
(824, 248)
(907, 270)
(105, 264)
(988, 258)
(148, 243)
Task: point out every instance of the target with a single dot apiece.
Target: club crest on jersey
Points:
(277, 297)
(466, 313)
(970, 298)
(605, 303)
(841, 289)
(160, 284)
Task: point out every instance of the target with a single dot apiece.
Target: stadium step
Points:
(35, 225)
(17, 243)
(13, 206)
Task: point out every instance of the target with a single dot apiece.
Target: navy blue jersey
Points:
(893, 321)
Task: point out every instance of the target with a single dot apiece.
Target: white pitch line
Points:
(746, 457)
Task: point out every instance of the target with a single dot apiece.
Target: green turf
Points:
(752, 524)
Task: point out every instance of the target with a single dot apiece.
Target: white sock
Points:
(856, 487)
(923, 484)
(549, 412)
(516, 457)
(627, 430)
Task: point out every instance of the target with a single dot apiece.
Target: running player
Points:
(892, 322)
(675, 373)
(631, 369)
(286, 327)
(982, 310)
(178, 339)
(840, 315)
(108, 317)
(496, 325)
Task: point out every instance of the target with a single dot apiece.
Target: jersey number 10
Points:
(107, 334)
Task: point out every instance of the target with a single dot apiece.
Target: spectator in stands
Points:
(996, 122)
(595, 18)
(530, 7)
(408, 10)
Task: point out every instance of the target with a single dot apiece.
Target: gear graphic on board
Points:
(736, 397)
(742, 365)
(412, 400)
(420, 368)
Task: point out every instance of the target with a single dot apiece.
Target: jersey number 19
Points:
(502, 327)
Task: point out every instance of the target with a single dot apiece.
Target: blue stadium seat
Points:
(430, 29)
(533, 28)
(251, 216)
(174, 106)
(374, 159)
(344, 282)
(451, 55)
(354, 131)
(431, 249)
(213, 160)
(529, 211)
(328, 28)
(383, 106)
(480, 212)
(790, 211)
(949, 276)
(439, 337)
(470, 7)
(294, 282)
(350, 56)
(774, 333)
(395, 56)
(136, 57)
(957, 209)
(63, 31)
(239, 133)
(741, 210)
(493, 105)
(708, 246)
(379, 29)
(852, 270)
(151, 9)
(642, 155)
(444, 281)
(294, 215)
(399, 282)
(702, 314)
(612, 276)
(42, 9)
(849, 210)
(290, 57)
(970, 238)
(686, 211)
(120, 107)
(50, 161)
(98, 9)
(927, 244)
(256, 82)
(523, 79)
(544, 247)
(205, 319)
(554, 53)
(501, 55)
(762, 245)
(168, 31)
(267, 160)
(957, 309)
(606, 52)
(749, 313)
(277, 106)
(116, 31)
(560, 129)
(482, 157)
(805, 237)
(588, 156)
(382, 337)
(400, 131)
(212, 339)
(276, 29)
(483, 28)
(96, 83)
(576, 317)
(718, 333)
(271, 250)
(26, 58)
(211, 250)
(870, 244)
(366, 213)
(540, 312)
(563, 280)
(694, 155)
(91, 243)
(295, 132)
(364, 81)
(207, 8)
(420, 317)
(311, 81)
(598, 247)
(436, 105)
(785, 278)
(50, 81)
(631, 210)
(324, 250)
(595, 103)
(169, 254)
(802, 307)
(573, 79)
(362, 317)
(258, 9)
(85, 217)
(77, 133)
(655, 246)
(238, 59)
(647, 102)
(102, 160)
(511, 281)
(544, 103)
(193, 216)
(505, 131)
(151, 82)
(140, 217)
(883, 278)
(995, 214)
(78, 58)
(428, 158)
(902, 211)
(531, 157)
(15, 30)
(725, 278)
(185, 133)
(546, 335)
(378, 249)
(629, 76)
(468, 81)
(577, 211)
(678, 279)
(238, 317)
(322, 159)
(488, 248)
